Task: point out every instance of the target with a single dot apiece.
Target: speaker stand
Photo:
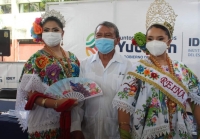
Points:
(2, 58)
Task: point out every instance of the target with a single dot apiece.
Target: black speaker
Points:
(4, 42)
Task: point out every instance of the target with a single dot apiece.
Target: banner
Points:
(130, 17)
(82, 17)
(10, 74)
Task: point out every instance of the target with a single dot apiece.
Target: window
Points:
(5, 9)
(31, 7)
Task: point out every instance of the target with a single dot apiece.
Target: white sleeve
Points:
(77, 117)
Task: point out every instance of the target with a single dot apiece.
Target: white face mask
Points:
(156, 48)
(52, 38)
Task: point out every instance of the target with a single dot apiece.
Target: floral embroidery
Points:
(28, 66)
(140, 69)
(50, 134)
(154, 75)
(150, 107)
(130, 90)
(42, 73)
(41, 61)
(53, 71)
(146, 72)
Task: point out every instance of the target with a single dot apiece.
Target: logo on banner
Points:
(11, 80)
(193, 50)
(90, 45)
(194, 42)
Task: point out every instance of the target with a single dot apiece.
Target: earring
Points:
(61, 43)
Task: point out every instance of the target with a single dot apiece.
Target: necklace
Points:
(68, 70)
(171, 105)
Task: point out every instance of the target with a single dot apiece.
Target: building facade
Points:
(18, 16)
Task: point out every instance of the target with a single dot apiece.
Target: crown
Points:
(53, 13)
(161, 13)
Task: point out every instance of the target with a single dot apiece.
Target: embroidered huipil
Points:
(148, 105)
(99, 118)
(41, 122)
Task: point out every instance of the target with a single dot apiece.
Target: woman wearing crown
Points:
(48, 118)
(152, 98)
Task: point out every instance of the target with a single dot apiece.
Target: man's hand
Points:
(77, 135)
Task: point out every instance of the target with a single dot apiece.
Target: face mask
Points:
(104, 45)
(156, 48)
(52, 38)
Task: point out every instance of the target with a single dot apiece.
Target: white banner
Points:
(130, 17)
(10, 74)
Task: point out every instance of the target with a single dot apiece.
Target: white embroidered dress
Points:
(148, 105)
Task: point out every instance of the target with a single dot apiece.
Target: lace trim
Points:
(194, 98)
(183, 129)
(29, 82)
(135, 134)
(123, 106)
(156, 132)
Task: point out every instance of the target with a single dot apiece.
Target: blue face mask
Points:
(104, 45)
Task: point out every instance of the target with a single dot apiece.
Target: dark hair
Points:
(109, 25)
(160, 27)
(52, 18)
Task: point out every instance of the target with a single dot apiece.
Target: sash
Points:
(165, 82)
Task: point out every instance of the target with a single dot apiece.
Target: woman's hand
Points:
(63, 100)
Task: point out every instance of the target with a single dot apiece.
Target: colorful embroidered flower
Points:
(28, 66)
(53, 71)
(154, 101)
(41, 61)
(153, 120)
(126, 89)
(37, 135)
(154, 75)
(42, 73)
(146, 72)
(37, 28)
(133, 88)
(131, 93)
(140, 69)
(176, 65)
(184, 71)
(92, 85)
(179, 76)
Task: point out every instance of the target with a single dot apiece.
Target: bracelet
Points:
(56, 104)
(43, 102)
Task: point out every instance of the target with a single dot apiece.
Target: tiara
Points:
(161, 13)
(53, 13)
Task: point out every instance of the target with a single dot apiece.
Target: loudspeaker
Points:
(4, 42)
